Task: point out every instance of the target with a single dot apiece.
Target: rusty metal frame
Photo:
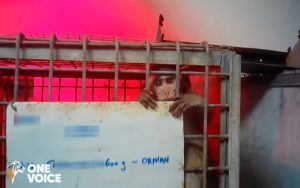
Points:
(117, 52)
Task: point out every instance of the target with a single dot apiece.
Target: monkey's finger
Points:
(150, 100)
(147, 101)
(179, 110)
(151, 104)
(144, 96)
(174, 105)
(148, 92)
(187, 107)
(143, 103)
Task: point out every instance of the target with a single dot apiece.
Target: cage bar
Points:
(208, 136)
(225, 67)
(84, 53)
(17, 62)
(89, 59)
(51, 48)
(205, 118)
(178, 63)
(99, 52)
(234, 121)
(148, 54)
(116, 70)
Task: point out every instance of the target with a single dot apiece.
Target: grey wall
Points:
(268, 24)
(270, 135)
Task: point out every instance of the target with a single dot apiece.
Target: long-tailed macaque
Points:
(189, 105)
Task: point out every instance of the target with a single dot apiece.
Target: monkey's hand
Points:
(146, 98)
(185, 102)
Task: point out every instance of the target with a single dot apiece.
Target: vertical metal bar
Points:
(93, 82)
(3, 127)
(93, 88)
(205, 117)
(76, 88)
(17, 63)
(108, 90)
(116, 69)
(125, 89)
(225, 68)
(178, 63)
(234, 122)
(5, 87)
(59, 88)
(43, 82)
(51, 54)
(148, 59)
(84, 52)
(27, 89)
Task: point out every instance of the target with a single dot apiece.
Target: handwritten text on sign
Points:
(109, 144)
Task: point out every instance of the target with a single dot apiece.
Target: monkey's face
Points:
(164, 87)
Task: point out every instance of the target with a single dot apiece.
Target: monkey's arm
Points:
(190, 106)
(186, 102)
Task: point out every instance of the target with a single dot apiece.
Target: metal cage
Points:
(40, 69)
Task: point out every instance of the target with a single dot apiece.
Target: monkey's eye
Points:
(158, 82)
(170, 80)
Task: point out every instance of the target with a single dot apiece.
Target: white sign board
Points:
(79, 145)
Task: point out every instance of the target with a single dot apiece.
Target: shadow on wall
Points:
(253, 89)
(270, 129)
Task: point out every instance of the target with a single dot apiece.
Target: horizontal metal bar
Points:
(143, 45)
(103, 71)
(8, 37)
(203, 73)
(37, 39)
(128, 55)
(210, 105)
(57, 69)
(2, 173)
(89, 87)
(218, 105)
(125, 71)
(199, 170)
(4, 103)
(67, 73)
(132, 71)
(2, 137)
(104, 39)
(7, 42)
(40, 41)
(209, 136)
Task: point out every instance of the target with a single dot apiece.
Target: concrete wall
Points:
(268, 24)
(270, 135)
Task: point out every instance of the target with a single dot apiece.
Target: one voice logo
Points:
(36, 173)
(13, 169)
